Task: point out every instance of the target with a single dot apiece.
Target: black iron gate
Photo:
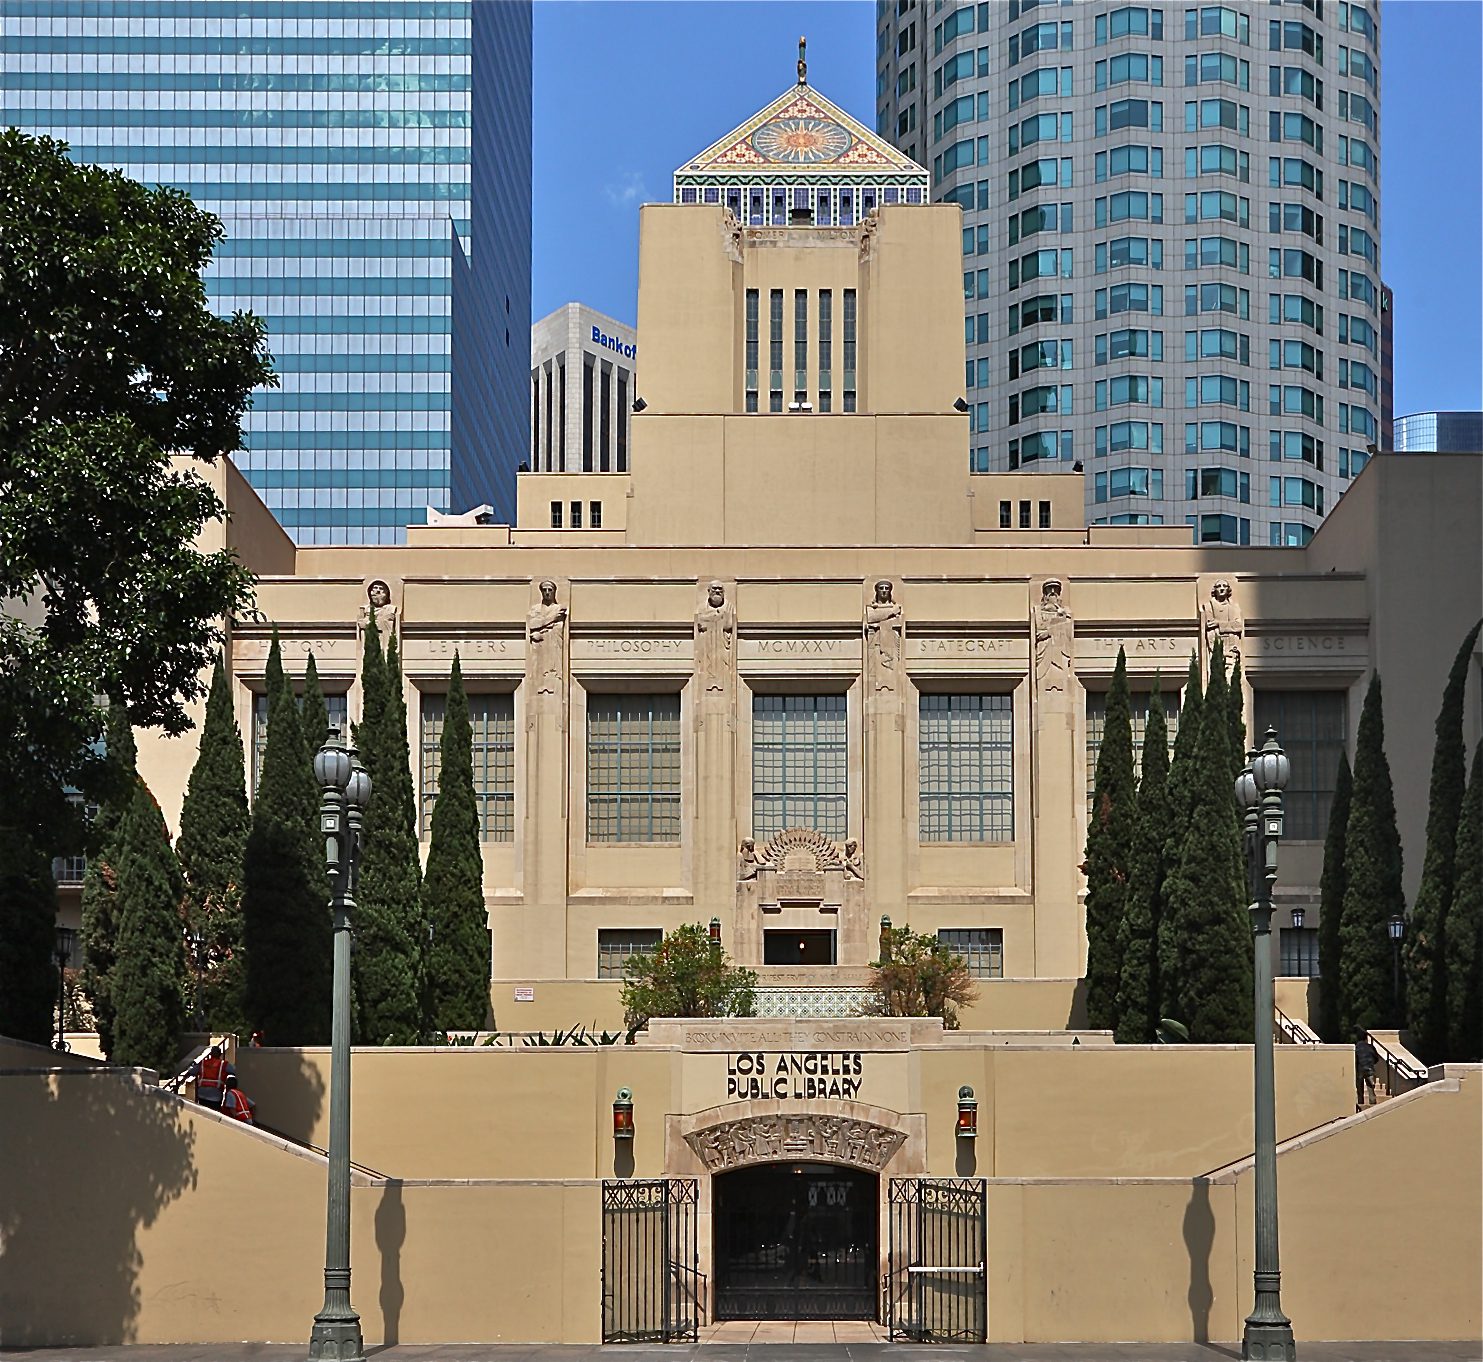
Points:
(936, 1283)
(652, 1290)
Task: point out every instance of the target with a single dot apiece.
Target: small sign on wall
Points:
(525, 993)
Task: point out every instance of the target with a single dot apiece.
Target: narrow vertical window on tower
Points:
(826, 349)
(752, 343)
(849, 349)
(588, 400)
(775, 350)
(800, 348)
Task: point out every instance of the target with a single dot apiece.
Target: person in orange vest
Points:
(236, 1103)
(211, 1075)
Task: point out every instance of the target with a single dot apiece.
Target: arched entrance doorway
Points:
(796, 1241)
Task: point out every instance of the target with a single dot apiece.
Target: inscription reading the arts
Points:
(800, 1075)
(1305, 643)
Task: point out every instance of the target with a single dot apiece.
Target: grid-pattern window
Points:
(338, 706)
(1138, 709)
(826, 348)
(752, 346)
(800, 345)
(616, 944)
(850, 349)
(775, 350)
(1311, 727)
(633, 768)
(1299, 947)
(798, 764)
(492, 719)
(982, 949)
(967, 768)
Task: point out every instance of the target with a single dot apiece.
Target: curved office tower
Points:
(1171, 226)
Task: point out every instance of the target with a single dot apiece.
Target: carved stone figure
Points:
(545, 631)
(1221, 619)
(715, 639)
(885, 637)
(850, 860)
(379, 607)
(749, 862)
(1055, 639)
(763, 1139)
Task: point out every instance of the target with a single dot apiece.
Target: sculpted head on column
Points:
(545, 630)
(1055, 638)
(379, 607)
(715, 639)
(885, 637)
(1221, 621)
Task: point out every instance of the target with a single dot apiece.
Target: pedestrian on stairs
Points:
(236, 1103)
(211, 1076)
(1365, 1059)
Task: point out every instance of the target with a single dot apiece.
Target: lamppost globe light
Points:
(1396, 927)
(1271, 766)
(358, 786)
(1247, 794)
(332, 763)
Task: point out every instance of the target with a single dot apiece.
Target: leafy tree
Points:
(920, 977)
(1137, 940)
(1465, 928)
(111, 362)
(214, 823)
(316, 714)
(686, 976)
(1177, 801)
(1331, 909)
(1424, 950)
(285, 893)
(390, 938)
(1213, 979)
(1109, 849)
(28, 910)
(148, 983)
(1372, 880)
(100, 883)
(1238, 722)
(459, 957)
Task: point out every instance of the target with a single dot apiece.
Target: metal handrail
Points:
(1297, 1033)
(1395, 1063)
(305, 1144)
(189, 1072)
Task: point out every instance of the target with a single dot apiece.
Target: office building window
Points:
(576, 521)
(1299, 946)
(1311, 726)
(624, 412)
(982, 949)
(594, 515)
(798, 764)
(775, 350)
(966, 761)
(1138, 709)
(616, 944)
(336, 704)
(752, 347)
(849, 349)
(633, 768)
(492, 725)
(588, 402)
(556, 515)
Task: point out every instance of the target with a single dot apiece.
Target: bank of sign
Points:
(801, 1075)
(614, 343)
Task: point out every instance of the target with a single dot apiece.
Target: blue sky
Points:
(625, 90)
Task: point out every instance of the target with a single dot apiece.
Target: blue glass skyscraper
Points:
(370, 161)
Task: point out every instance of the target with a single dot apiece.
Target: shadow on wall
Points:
(391, 1234)
(90, 1157)
(1199, 1239)
(289, 1088)
(1077, 1020)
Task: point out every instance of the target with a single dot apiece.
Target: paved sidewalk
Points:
(800, 1350)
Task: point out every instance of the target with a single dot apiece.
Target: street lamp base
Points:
(1268, 1343)
(337, 1339)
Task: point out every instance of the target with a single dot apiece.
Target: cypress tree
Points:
(459, 957)
(285, 893)
(1177, 803)
(390, 940)
(315, 714)
(1465, 928)
(28, 911)
(1372, 880)
(1238, 722)
(373, 690)
(148, 982)
(214, 823)
(1213, 983)
(1424, 949)
(100, 883)
(274, 681)
(1137, 942)
(1108, 849)
(1331, 909)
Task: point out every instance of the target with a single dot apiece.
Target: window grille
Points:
(492, 721)
(1138, 708)
(1311, 726)
(616, 944)
(633, 768)
(982, 949)
(798, 764)
(966, 768)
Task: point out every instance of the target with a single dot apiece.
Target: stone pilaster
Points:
(885, 802)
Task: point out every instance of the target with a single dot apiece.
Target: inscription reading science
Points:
(800, 1075)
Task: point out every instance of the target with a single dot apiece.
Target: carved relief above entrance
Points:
(770, 1139)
